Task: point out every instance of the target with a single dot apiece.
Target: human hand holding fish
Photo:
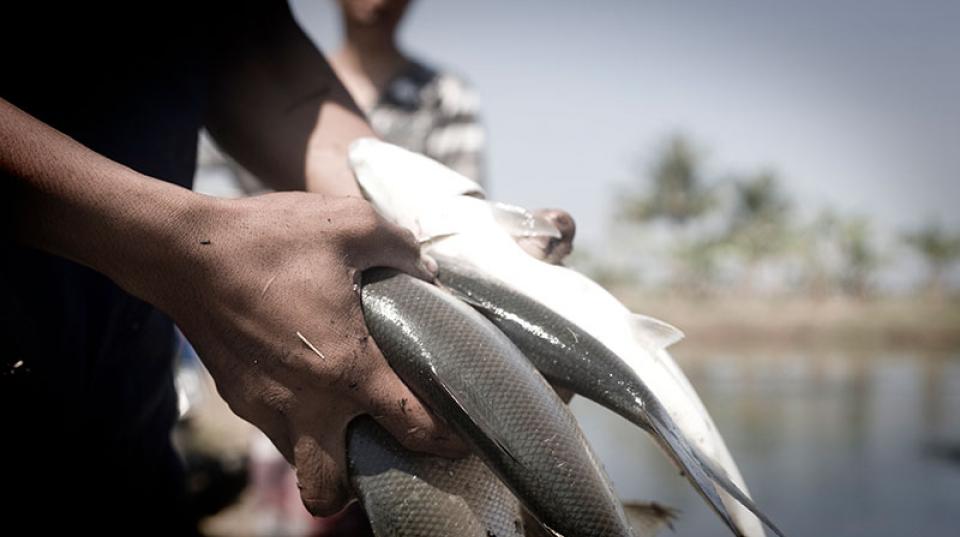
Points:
(573, 331)
(287, 346)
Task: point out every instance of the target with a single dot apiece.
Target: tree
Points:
(759, 227)
(938, 248)
(677, 193)
(674, 192)
(858, 254)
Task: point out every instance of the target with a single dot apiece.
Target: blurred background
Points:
(780, 181)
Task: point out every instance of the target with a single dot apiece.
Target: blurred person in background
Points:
(435, 113)
(408, 103)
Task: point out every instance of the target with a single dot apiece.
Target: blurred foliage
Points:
(939, 250)
(859, 255)
(676, 193)
(743, 232)
(759, 225)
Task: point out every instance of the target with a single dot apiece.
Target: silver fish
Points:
(471, 375)
(571, 358)
(406, 493)
(444, 211)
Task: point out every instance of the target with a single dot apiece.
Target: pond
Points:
(839, 443)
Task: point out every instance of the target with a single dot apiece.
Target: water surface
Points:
(838, 443)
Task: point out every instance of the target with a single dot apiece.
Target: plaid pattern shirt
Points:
(423, 110)
(435, 114)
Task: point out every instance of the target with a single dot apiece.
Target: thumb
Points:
(320, 461)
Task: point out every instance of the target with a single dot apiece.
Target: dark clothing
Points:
(87, 400)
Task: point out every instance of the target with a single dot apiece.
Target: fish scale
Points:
(414, 494)
(443, 211)
(570, 357)
(471, 375)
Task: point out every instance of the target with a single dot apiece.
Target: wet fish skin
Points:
(443, 211)
(470, 374)
(571, 358)
(414, 494)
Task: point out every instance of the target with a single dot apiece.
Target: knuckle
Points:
(563, 220)
(406, 238)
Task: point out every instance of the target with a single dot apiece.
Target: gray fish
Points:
(472, 376)
(414, 494)
(573, 359)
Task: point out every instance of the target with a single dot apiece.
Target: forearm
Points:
(277, 107)
(70, 201)
(327, 167)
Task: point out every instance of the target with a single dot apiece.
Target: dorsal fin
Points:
(654, 331)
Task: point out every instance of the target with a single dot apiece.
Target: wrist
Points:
(158, 245)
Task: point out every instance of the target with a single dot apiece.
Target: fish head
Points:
(432, 200)
(393, 177)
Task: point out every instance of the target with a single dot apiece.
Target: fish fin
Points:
(690, 464)
(648, 518)
(431, 240)
(720, 477)
(463, 297)
(519, 222)
(654, 331)
(488, 429)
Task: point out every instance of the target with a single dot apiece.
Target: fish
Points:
(405, 493)
(646, 518)
(447, 213)
(474, 378)
(571, 358)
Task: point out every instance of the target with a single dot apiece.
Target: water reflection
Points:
(830, 443)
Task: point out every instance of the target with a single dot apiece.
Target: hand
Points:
(270, 303)
(549, 249)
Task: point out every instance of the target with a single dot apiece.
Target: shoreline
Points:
(836, 322)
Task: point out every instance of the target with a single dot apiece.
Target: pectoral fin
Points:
(479, 418)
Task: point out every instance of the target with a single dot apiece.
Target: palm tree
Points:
(938, 248)
(677, 192)
(674, 192)
(759, 227)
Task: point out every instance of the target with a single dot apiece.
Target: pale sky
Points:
(855, 102)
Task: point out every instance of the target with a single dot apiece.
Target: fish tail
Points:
(721, 478)
(695, 472)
